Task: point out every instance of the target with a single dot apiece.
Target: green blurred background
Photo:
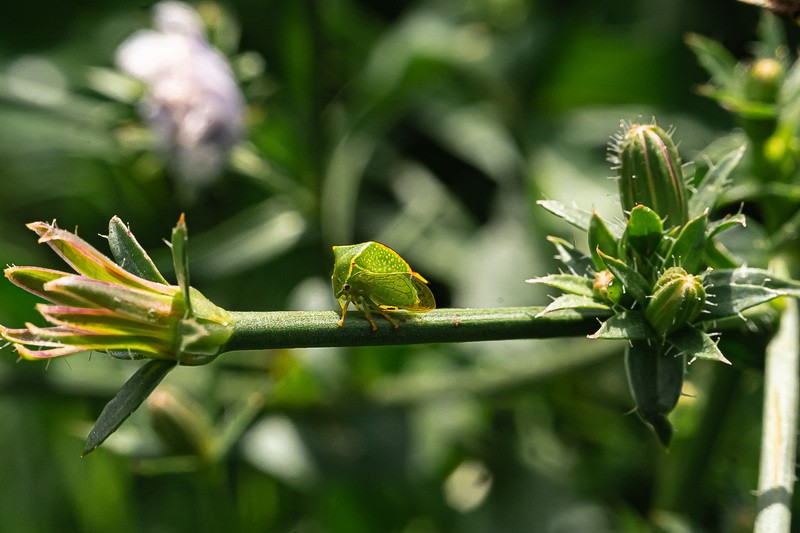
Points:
(432, 126)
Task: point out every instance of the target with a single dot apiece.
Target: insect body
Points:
(375, 278)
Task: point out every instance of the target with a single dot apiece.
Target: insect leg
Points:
(344, 304)
(365, 307)
(386, 315)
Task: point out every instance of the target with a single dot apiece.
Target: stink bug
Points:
(375, 278)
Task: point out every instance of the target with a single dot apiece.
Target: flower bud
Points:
(762, 85)
(650, 173)
(763, 81)
(678, 298)
(607, 288)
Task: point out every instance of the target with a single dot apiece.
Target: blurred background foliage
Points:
(432, 126)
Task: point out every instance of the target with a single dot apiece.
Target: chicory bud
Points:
(678, 298)
(650, 173)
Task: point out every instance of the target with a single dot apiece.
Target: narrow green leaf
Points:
(688, 250)
(789, 97)
(33, 280)
(129, 254)
(727, 300)
(128, 399)
(601, 238)
(143, 306)
(656, 381)
(576, 261)
(180, 260)
(645, 230)
(98, 321)
(566, 282)
(715, 58)
(55, 337)
(632, 281)
(718, 226)
(86, 259)
(731, 291)
(572, 301)
(714, 183)
(770, 36)
(626, 325)
(575, 216)
(696, 344)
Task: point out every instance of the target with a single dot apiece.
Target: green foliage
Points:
(669, 286)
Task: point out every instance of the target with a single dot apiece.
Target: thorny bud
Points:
(650, 173)
(678, 298)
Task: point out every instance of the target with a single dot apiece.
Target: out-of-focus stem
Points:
(779, 434)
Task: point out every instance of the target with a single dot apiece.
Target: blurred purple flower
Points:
(193, 103)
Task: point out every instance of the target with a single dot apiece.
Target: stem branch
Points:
(308, 329)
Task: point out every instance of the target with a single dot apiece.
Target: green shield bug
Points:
(375, 278)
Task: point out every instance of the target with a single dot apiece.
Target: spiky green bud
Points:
(678, 298)
(650, 173)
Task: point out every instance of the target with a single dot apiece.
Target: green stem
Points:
(779, 434)
(306, 329)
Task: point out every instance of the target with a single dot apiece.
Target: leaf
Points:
(696, 344)
(714, 183)
(736, 102)
(572, 301)
(252, 237)
(656, 381)
(128, 399)
(576, 261)
(566, 282)
(634, 283)
(718, 226)
(34, 279)
(789, 97)
(715, 58)
(755, 276)
(645, 230)
(771, 36)
(180, 261)
(731, 291)
(86, 259)
(143, 306)
(575, 216)
(688, 250)
(601, 238)
(129, 254)
(626, 325)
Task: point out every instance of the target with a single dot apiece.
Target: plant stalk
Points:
(310, 329)
(779, 434)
